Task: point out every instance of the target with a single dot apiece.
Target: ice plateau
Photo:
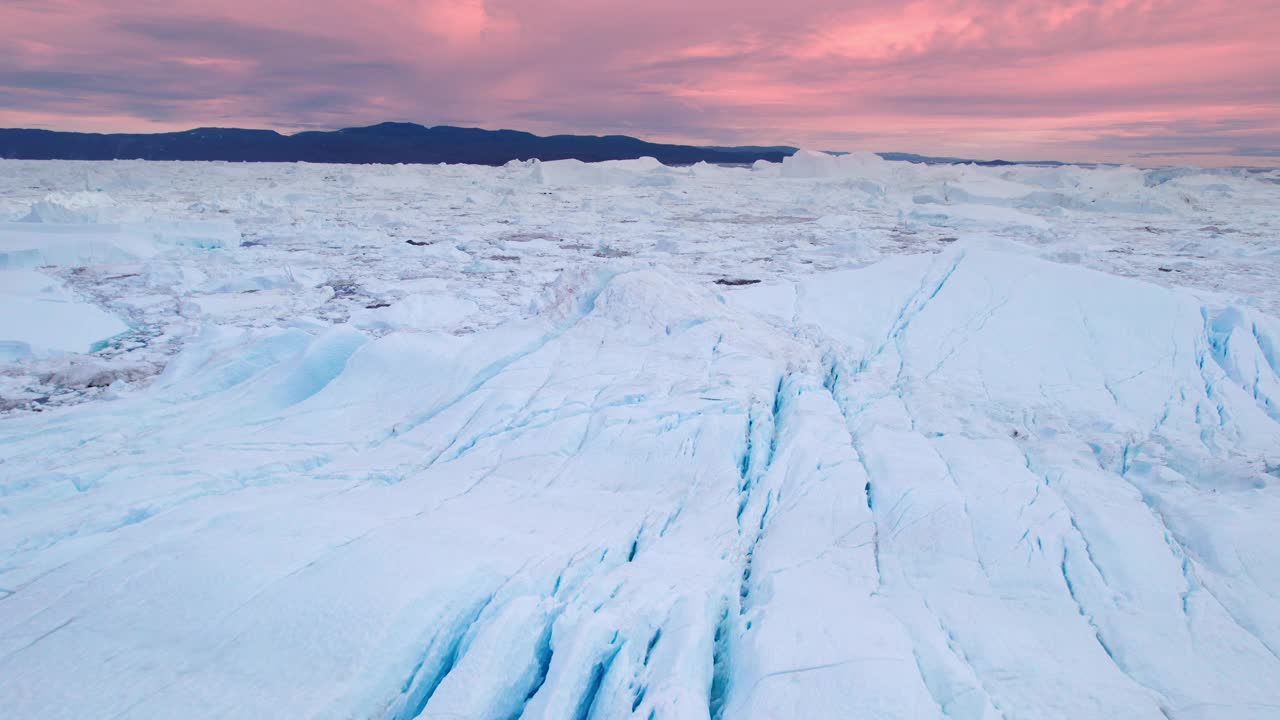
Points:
(840, 438)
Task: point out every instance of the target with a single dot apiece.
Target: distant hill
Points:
(931, 160)
(383, 143)
(393, 142)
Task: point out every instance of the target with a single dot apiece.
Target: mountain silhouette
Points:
(389, 142)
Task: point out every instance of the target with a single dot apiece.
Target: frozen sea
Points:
(832, 438)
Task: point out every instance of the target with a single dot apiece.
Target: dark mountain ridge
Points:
(383, 143)
(390, 142)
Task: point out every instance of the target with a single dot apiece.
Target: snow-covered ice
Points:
(40, 316)
(843, 438)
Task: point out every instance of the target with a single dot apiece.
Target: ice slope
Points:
(960, 485)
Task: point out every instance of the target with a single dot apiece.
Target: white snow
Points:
(442, 442)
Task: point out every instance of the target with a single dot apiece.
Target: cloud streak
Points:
(1080, 79)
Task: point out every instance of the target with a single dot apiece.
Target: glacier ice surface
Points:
(401, 442)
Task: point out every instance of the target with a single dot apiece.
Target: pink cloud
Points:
(1104, 79)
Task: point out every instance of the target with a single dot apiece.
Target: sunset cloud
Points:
(1103, 79)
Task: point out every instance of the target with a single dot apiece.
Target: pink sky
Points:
(1148, 81)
